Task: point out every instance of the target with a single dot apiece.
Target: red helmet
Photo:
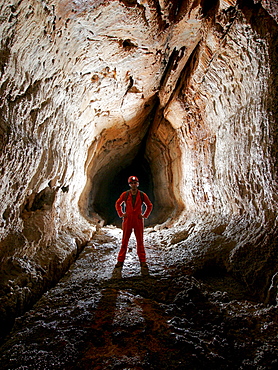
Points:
(132, 178)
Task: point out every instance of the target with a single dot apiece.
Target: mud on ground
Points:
(164, 317)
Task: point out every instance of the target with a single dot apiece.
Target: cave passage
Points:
(112, 183)
(134, 151)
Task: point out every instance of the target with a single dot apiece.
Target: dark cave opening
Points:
(118, 154)
(113, 183)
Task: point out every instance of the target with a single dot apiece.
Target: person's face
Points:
(134, 185)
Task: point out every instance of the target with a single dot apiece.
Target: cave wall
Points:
(83, 83)
(228, 127)
(223, 112)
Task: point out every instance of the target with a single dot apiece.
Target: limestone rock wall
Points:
(218, 131)
(85, 83)
(228, 127)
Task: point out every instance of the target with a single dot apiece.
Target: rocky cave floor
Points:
(99, 317)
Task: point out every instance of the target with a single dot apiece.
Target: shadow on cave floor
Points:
(98, 317)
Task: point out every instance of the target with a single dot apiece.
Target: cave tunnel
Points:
(112, 183)
(121, 154)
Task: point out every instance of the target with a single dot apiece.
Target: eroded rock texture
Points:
(183, 93)
(105, 318)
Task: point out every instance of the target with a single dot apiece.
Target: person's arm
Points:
(118, 206)
(149, 206)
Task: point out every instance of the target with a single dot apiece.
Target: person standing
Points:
(133, 219)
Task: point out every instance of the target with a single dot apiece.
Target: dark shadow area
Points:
(209, 7)
(133, 151)
(129, 330)
(121, 154)
(217, 279)
(113, 184)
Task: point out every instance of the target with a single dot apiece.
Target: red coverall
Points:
(133, 221)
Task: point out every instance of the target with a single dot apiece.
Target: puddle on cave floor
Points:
(96, 319)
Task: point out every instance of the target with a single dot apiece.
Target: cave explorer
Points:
(133, 219)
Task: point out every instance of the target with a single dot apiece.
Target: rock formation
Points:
(184, 93)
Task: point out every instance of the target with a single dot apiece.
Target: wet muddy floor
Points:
(99, 317)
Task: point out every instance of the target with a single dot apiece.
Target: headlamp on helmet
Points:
(132, 179)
